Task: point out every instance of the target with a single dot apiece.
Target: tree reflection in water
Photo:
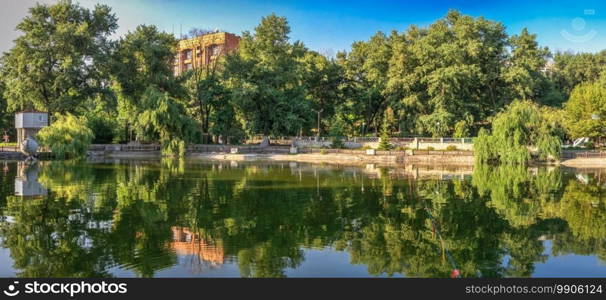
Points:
(151, 216)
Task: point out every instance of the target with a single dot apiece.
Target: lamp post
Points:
(319, 112)
(438, 128)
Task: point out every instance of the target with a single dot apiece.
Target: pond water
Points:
(174, 218)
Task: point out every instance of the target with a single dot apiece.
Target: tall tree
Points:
(586, 111)
(519, 128)
(265, 79)
(142, 60)
(5, 116)
(323, 80)
(570, 69)
(447, 72)
(54, 65)
(365, 71)
(526, 71)
(164, 118)
(209, 100)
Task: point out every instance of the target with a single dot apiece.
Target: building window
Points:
(188, 66)
(188, 54)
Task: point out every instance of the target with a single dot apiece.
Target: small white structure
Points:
(28, 123)
(26, 182)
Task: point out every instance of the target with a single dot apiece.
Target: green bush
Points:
(430, 148)
(67, 137)
(103, 126)
(337, 143)
(451, 148)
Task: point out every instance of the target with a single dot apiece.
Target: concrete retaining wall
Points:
(11, 155)
(344, 159)
(373, 143)
(281, 153)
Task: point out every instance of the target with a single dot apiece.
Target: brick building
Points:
(202, 50)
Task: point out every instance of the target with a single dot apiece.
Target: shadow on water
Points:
(183, 218)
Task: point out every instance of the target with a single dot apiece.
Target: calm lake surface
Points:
(176, 218)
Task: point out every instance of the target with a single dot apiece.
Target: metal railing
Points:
(286, 140)
(584, 154)
(446, 152)
(9, 149)
(137, 148)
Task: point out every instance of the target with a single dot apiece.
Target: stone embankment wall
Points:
(282, 153)
(11, 155)
(373, 143)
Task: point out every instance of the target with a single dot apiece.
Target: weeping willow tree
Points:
(518, 133)
(67, 137)
(164, 119)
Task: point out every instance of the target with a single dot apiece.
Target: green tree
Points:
(142, 60)
(265, 79)
(55, 65)
(384, 143)
(67, 137)
(163, 118)
(462, 129)
(337, 132)
(365, 71)
(103, 125)
(206, 93)
(525, 75)
(5, 116)
(572, 69)
(586, 111)
(323, 80)
(440, 74)
(515, 132)
(210, 103)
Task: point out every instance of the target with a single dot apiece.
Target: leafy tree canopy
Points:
(516, 132)
(67, 137)
(586, 110)
(56, 63)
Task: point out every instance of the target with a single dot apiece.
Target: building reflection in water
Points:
(26, 182)
(187, 243)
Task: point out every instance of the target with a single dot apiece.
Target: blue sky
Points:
(329, 26)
